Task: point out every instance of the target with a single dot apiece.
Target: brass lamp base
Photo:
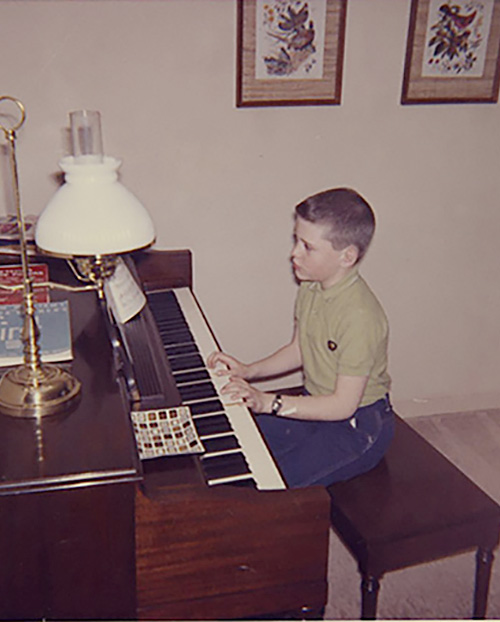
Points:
(25, 392)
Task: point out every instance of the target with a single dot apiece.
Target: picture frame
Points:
(290, 53)
(452, 52)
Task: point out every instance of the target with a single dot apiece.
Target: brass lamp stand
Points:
(31, 389)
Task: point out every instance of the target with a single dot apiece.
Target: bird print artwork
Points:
(457, 36)
(289, 37)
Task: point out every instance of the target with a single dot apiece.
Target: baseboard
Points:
(433, 405)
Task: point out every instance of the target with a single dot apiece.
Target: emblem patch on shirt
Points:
(332, 346)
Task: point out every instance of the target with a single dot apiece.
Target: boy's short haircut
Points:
(348, 216)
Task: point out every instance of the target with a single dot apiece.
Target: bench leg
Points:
(369, 593)
(484, 562)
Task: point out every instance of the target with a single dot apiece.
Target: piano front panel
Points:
(228, 552)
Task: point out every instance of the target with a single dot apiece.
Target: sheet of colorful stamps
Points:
(165, 432)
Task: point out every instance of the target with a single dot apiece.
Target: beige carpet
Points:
(442, 589)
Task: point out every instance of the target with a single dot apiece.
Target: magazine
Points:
(55, 334)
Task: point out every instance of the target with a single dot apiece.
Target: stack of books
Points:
(9, 234)
(53, 319)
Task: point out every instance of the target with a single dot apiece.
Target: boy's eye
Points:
(297, 240)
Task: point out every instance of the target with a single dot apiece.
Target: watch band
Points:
(276, 405)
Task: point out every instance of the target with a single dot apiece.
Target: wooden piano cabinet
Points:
(159, 269)
(67, 554)
(67, 487)
(228, 552)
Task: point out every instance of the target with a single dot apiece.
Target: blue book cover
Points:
(55, 333)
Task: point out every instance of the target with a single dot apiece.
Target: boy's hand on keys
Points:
(224, 365)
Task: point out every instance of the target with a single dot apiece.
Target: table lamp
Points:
(91, 219)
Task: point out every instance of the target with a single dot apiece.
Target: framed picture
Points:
(452, 53)
(290, 52)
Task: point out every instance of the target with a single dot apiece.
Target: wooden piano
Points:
(88, 531)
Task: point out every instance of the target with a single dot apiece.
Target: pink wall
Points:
(223, 181)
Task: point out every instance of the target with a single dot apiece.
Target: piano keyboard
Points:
(235, 452)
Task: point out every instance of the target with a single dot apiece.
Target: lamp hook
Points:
(20, 106)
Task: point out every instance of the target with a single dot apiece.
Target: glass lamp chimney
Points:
(86, 135)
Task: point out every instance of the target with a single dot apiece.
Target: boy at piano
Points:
(343, 423)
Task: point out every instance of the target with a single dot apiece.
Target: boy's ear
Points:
(349, 256)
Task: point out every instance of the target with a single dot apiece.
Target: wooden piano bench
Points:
(414, 507)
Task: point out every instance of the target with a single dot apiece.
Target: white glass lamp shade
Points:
(93, 213)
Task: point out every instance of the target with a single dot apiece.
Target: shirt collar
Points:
(331, 292)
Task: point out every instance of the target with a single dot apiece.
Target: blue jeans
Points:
(323, 452)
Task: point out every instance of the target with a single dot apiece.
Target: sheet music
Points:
(124, 296)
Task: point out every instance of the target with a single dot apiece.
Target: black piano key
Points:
(166, 296)
(210, 406)
(191, 376)
(220, 443)
(247, 482)
(171, 323)
(166, 318)
(170, 315)
(176, 336)
(198, 391)
(179, 363)
(164, 328)
(215, 424)
(185, 348)
(164, 309)
(217, 467)
(167, 312)
(163, 299)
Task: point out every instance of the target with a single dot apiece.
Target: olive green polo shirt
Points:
(342, 330)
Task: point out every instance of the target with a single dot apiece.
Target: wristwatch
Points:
(276, 405)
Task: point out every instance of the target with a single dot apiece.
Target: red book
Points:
(13, 275)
